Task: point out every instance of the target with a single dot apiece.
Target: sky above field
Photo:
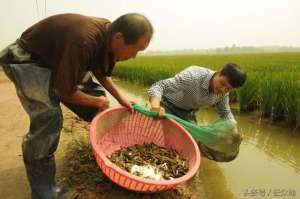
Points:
(189, 24)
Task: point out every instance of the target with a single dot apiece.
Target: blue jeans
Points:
(34, 89)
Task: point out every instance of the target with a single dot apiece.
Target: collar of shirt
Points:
(206, 82)
(207, 79)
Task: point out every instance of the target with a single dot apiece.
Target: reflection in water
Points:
(269, 157)
(278, 143)
(210, 182)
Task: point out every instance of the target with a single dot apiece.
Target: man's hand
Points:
(161, 111)
(102, 103)
(126, 103)
(83, 99)
(108, 84)
(155, 106)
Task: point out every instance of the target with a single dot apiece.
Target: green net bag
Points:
(220, 139)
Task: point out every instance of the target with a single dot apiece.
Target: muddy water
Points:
(268, 165)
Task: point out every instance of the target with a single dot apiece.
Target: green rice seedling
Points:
(267, 88)
(292, 99)
(278, 97)
(248, 94)
(265, 94)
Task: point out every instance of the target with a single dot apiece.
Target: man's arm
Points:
(181, 81)
(155, 106)
(224, 108)
(109, 85)
(81, 98)
(225, 113)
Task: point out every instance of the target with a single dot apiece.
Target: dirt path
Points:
(13, 124)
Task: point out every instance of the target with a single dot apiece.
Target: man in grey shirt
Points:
(195, 87)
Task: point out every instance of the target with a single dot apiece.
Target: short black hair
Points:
(235, 76)
(133, 26)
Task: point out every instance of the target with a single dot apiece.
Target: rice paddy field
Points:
(272, 86)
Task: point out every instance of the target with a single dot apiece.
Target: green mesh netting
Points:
(219, 136)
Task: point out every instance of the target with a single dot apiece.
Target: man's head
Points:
(228, 78)
(131, 33)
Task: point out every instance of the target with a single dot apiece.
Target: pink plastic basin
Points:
(117, 127)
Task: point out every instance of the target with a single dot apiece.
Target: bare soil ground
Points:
(75, 164)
